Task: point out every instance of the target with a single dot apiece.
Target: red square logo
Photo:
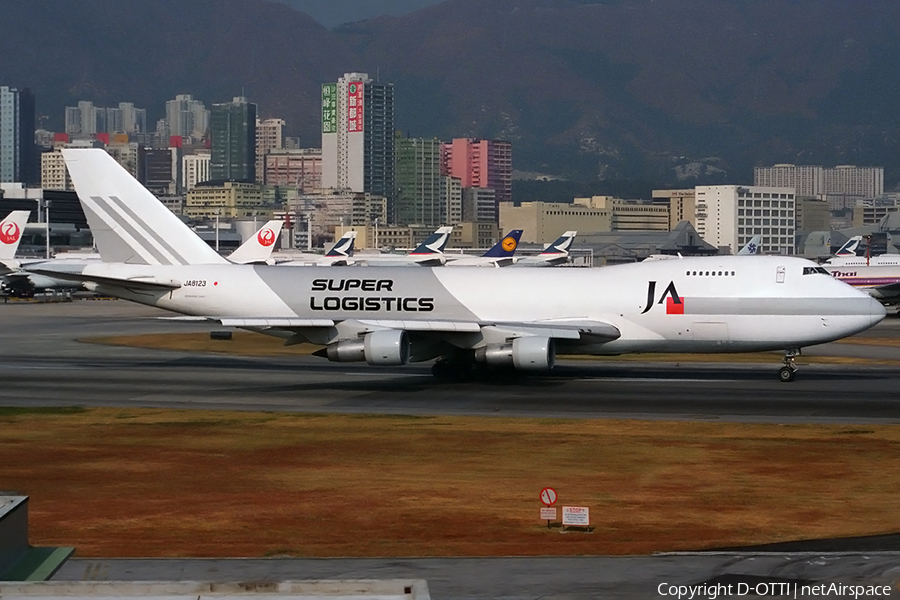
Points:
(674, 308)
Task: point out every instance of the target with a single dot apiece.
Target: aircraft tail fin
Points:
(258, 248)
(561, 245)
(752, 246)
(11, 229)
(506, 247)
(850, 247)
(434, 243)
(129, 224)
(343, 248)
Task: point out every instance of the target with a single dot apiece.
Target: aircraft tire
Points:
(786, 374)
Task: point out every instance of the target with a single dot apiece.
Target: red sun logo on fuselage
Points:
(266, 237)
(9, 233)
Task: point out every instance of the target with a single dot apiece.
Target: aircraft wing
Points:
(586, 331)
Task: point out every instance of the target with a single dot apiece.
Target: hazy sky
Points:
(332, 13)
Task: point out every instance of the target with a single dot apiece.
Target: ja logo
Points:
(266, 237)
(674, 302)
(9, 233)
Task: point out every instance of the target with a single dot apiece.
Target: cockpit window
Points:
(815, 270)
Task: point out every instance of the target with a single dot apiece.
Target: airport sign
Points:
(548, 496)
(576, 516)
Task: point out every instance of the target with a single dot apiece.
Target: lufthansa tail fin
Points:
(128, 223)
(752, 246)
(11, 229)
(434, 243)
(258, 249)
(506, 247)
(343, 248)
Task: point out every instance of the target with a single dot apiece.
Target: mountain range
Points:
(666, 92)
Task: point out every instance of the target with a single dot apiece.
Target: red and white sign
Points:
(355, 100)
(548, 513)
(266, 237)
(9, 233)
(576, 516)
(548, 496)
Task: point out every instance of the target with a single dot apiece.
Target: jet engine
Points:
(388, 347)
(524, 353)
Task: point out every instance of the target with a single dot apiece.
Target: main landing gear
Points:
(787, 372)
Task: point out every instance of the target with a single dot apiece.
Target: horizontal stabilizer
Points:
(138, 283)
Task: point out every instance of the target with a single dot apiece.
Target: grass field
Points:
(129, 482)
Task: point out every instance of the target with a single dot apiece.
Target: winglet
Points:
(506, 247)
(11, 229)
(258, 248)
(128, 223)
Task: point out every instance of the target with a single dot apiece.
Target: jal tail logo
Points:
(9, 233)
(508, 244)
(266, 237)
(674, 302)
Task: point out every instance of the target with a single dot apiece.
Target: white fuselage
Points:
(711, 304)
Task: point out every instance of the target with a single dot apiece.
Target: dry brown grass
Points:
(128, 482)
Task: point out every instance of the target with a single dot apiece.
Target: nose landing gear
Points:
(787, 372)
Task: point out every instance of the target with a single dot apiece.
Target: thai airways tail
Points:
(11, 229)
(506, 247)
(258, 249)
(752, 246)
(343, 248)
(128, 223)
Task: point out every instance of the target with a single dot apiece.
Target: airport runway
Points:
(43, 364)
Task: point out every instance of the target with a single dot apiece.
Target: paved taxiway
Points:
(43, 364)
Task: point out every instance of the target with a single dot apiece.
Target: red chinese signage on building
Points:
(355, 106)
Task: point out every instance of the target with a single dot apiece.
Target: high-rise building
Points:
(233, 135)
(186, 117)
(358, 136)
(86, 120)
(480, 163)
(417, 177)
(269, 136)
(298, 168)
(160, 170)
(194, 170)
(729, 215)
(843, 186)
(17, 156)
(451, 200)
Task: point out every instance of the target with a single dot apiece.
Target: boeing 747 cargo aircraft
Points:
(466, 318)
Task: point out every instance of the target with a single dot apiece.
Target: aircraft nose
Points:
(877, 312)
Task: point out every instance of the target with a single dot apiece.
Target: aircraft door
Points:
(779, 275)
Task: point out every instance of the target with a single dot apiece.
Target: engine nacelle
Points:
(389, 347)
(525, 353)
(346, 351)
